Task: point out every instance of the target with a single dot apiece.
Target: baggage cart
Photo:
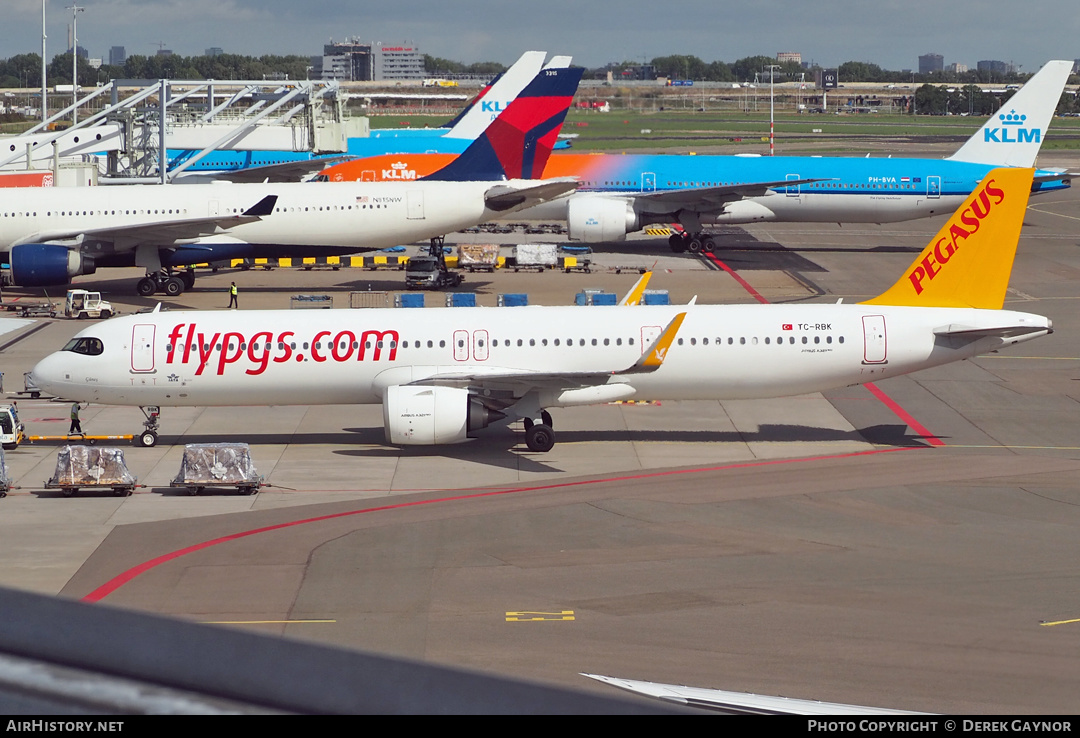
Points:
(91, 467)
(478, 257)
(539, 256)
(217, 465)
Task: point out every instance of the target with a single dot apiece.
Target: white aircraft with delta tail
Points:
(52, 234)
(442, 373)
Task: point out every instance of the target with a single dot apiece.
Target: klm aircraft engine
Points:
(427, 416)
(600, 219)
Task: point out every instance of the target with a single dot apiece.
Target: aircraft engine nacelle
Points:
(429, 416)
(600, 219)
(47, 264)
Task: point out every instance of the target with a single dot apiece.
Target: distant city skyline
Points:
(828, 32)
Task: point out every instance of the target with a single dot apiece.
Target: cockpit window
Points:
(88, 346)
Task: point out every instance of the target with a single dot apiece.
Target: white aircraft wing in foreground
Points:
(740, 703)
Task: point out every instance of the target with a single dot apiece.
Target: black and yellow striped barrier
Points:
(323, 262)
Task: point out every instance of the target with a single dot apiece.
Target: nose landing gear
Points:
(149, 436)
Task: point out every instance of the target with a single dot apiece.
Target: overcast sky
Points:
(827, 32)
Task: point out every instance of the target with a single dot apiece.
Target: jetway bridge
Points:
(143, 119)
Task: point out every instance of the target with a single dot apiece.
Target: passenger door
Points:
(142, 348)
(875, 344)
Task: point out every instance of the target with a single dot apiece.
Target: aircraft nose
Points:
(48, 374)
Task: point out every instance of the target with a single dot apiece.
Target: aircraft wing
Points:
(288, 171)
(709, 198)
(506, 386)
(740, 703)
(162, 232)
(528, 192)
(517, 381)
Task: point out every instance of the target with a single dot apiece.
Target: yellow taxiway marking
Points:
(1061, 622)
(535, 617)
(262, 622)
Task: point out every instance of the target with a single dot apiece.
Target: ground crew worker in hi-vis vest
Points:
(76, 427)
(232, 296)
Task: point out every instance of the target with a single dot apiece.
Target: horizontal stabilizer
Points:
(1002, 331)
(504, 196)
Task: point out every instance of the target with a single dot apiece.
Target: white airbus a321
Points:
(441, 373)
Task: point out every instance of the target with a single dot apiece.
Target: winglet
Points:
(262, 208)
(968, 262)
(633, 297)
(653, 359)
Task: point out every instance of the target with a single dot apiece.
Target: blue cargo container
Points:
(518, 299)
(655, 297)
(461, 299)
(410, 300)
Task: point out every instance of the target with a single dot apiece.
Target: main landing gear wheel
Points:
(540, 438)
(146, 287)
(545, 416)
(677, 243)
(147, 439)
(708, 244)
(173, 287)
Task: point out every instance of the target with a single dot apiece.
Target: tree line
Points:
(24, 71)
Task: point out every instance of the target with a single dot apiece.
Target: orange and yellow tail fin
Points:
(968, 262)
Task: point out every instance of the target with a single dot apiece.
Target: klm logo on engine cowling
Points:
(1012, 130)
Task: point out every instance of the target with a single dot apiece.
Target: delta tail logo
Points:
(1012, 130)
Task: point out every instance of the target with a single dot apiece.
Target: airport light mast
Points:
(75, 10)
(44, 105)
(772, 148)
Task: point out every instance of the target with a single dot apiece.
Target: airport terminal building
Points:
(355, 61)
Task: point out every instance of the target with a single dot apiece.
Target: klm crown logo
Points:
(1012, 123)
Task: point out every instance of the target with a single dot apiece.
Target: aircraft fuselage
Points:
(352, 356)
